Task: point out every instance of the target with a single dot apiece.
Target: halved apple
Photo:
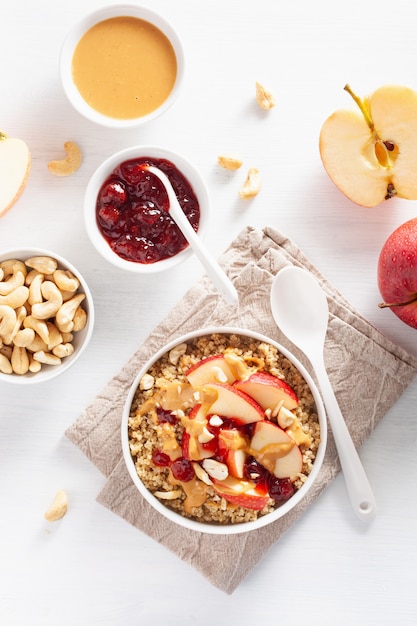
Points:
(15, 162)
(371, 154)
(213, 369)
(268, 390)
(276, 451)
(228, 401)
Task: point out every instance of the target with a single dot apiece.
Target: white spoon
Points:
(300, 309)
(213, 269)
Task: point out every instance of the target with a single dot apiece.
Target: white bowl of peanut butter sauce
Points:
(122, 66)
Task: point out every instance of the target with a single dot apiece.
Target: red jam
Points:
(132, 211)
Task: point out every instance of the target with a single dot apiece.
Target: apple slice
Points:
(15, 164)
(193, 450)
(232, 402)
(268, 391)
(276, 451)
(371, 154)
(213, 369)
(235, 461)
(242, 493)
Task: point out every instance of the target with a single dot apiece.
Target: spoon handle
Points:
(357, 484)
(213, 269)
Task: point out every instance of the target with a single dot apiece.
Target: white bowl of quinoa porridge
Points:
(223, 431)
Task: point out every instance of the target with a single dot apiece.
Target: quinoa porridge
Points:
(223, 429)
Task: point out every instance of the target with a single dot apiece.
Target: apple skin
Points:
(207, 371)
(397, 273)
(268, 390)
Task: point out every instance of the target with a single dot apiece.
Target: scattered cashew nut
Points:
(264, 98)
(70, 163)
(252, 185)
(229, 162)
(58, 508)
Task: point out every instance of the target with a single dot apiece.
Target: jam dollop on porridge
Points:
(223, 429)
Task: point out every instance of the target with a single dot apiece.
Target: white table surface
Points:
(92, 567)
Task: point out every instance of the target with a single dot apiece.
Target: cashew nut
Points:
(264, 98)
(58, 507)
(39, 326)
(55, 337)
(229, 162)
(24, 337)
(34, 366)
(252, 185)
(5, 365)
(65, 314)
(15, 298)
(53, 300)
(38, 344)
(43, 264)
(20, 360)
(79, 319)
(7, 323)
(15, 280)
(46, 357)
(66, 281)
(63, 349)
(70, 163)
(11, 266)
(35, 293)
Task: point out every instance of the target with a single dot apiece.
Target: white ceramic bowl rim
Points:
(232, 528)
(82, 337)
(104, 170)
(79, 29)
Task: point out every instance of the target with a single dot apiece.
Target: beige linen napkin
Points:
(357, 357)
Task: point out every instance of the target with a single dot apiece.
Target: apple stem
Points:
(362, 107)
(383, 305)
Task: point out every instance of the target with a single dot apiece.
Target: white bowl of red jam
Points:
(122, 66)
(223, 431)
(126, 209)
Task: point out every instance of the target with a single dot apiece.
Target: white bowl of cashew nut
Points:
(46, 315)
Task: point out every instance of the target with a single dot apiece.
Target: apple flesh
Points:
(15, 164)
(397, 273)
(231, 402)
(210, 370)
(276, 451)
(371, 154)
(268, 391)
(242, 493)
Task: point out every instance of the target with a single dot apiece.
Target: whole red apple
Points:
(397, 272)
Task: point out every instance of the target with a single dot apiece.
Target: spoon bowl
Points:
(304, 319)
